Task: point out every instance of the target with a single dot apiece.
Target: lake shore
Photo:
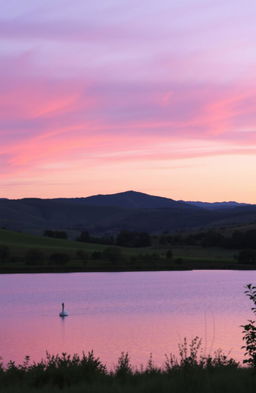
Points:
(22, 269)
(25, 253)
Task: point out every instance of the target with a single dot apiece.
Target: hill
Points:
(111, 213)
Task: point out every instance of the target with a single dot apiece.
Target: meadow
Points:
(20, 252)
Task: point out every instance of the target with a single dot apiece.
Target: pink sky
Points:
(108, 96)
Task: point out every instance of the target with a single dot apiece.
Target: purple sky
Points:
(106, 96)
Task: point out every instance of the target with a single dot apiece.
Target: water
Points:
(138, 312)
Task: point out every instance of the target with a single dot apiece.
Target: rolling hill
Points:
(111, 213)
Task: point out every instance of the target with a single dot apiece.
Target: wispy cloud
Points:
(99, 87)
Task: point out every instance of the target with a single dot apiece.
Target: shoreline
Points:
(53, 270)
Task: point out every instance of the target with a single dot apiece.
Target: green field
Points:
(97, 257)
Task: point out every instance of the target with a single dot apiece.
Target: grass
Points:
(184, 257)
(200, 381)
(190, 373)
(23, 240)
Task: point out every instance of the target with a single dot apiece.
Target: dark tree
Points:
(56, 234)
(4, 253)
(84, 237)
(34, 257)
(133, 239)
(169, 254)
(247, 257)
(112, 254)
(59, 258)
(82, 255)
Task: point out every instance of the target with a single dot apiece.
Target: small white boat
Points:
(63, 313)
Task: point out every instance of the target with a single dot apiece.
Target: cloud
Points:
(88, 89)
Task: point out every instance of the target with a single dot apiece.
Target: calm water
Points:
(138, 312)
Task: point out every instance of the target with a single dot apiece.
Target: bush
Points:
(59, 258)
(247, 257)
(84, 237)
(112, 254)
(56, 234)
(133, 239)
(82, 255)
(123, 368)
(34, 257)
(249, 330)
(169, 255)
(4, 253)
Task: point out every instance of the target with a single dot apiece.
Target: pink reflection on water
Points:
(142, 313)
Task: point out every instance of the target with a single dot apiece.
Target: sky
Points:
(105, 96)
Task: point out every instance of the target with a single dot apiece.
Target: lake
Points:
(138, 312)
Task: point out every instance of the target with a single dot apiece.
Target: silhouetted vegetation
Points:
(34, 257)
(4, 253)
(247, 257)
(123, 238)
(213, 238)
(21, 252)
(249, 330)
(133, 239)
(59, 258)
(190, 372)
(56, 234)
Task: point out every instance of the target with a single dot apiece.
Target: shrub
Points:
(123, 368)
(112, 254)
(4, 253)
(56, 234)
(82, 255)
(249, 330)
(34, 257)
(169, 254)
(59, 258)
(247, 256)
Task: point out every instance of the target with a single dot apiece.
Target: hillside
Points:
(21, 252)
(111, 213)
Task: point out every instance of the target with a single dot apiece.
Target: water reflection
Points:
(138, 312)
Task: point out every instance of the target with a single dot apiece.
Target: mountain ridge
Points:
(131, 194)
(111, 213)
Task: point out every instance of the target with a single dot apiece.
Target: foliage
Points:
(123, 368)
(133, 239)
(69, 372)
(247, 256)
(84, 237)
(249, 330)
(4, 253)
(191, 357)
(34, 257)
(112, 254)
(56, 234)
(169, 254)
(59, 258)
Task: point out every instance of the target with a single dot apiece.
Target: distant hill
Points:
(129, 200)
(111, 213)
(217, 205)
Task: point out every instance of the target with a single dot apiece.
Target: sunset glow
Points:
(107, 96)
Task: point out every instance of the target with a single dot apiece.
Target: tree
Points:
(59, 258)
(112, 254)
(247, 257)
(4, 253)
(169, 254)
(84, 237)
(249, 330)
(82, 255)
(133, 239)
(34, 257)
(56, 234)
